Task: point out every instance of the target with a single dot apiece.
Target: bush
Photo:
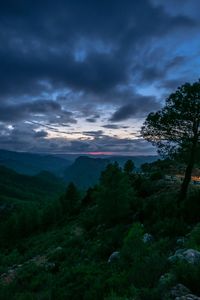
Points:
(191, 207)
(188, 275)
(144, 263)
(156, 176)
(194, 238)
(113, 195)
(169, 227)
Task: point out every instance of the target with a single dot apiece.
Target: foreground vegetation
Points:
(117, 241)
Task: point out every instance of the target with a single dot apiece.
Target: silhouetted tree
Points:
(71, 199)
(129, 167)
(175, 129)
(88, 198)
(113, 195)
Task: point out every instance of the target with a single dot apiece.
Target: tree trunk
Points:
(188, 171)
(186, 181)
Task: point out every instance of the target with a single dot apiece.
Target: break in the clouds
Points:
(70, 68)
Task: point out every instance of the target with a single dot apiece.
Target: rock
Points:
(77, 231)
(180, 292)
(181, 241)
(192, 256)
(55, 250)
(114, 257)
(167, 280)
(189, 297)
(59, 248)
(147, 238)
(50, 266)
(39, 260)
(189, 255)
(7, 278)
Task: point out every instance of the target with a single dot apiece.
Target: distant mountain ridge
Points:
(32, 163)
(19, 187)
(85, 171)
(138, 160)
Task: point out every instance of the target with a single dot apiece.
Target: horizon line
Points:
(92, 153)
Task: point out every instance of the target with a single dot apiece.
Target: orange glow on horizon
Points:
(100, 153)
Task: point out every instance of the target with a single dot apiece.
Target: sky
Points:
(81, 76)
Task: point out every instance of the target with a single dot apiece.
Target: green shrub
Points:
(113, 195)
(191, 207)
(143, 262)
(169, 227)
(188, 275)
(193, 240)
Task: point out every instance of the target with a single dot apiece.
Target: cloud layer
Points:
(90, 66)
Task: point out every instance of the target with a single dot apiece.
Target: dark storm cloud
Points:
(51, 41)
(151, 69)
(106, 143)
(139, 107)
(171, 85)
(123, 113)
(115, 126)
(21, 138)
(41, 134)
(99, 73)
(29, 140)
(48, 126)
(111, 126)
(88, 56)
(95, 133)
(91, 120)
(24, 111)
(14, 112)
(114, 144)
(90, 112)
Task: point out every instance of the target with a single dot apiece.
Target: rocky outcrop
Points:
(181, 241)
(191, 256)
(39, 261)
(147, 238)
(114, 257)
(180, 292)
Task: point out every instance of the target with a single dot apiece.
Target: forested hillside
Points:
(125, 238)
(42, 187)
(85, 171)
(32, 163)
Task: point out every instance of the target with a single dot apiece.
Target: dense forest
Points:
(123, 238)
